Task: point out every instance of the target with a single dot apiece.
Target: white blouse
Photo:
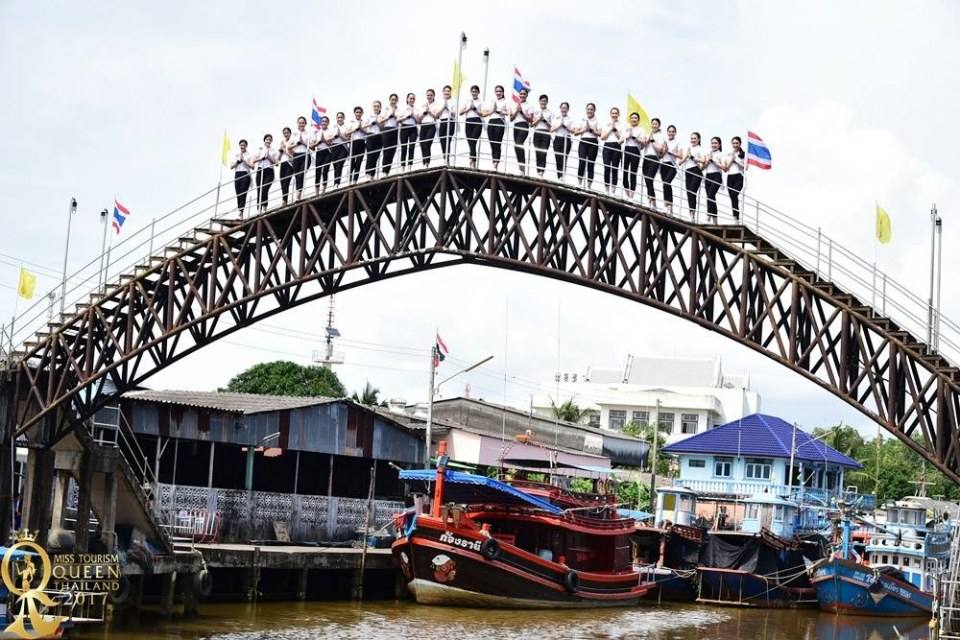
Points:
(693, 157)
(563, 125)
(714, 162)
(242, 162)
(266, 158)
(591, 128)
(736, 164)
(426, 115)
(474, 107)
(673, 150)
(497, 108)
(448, 108)
(388, 119)
(541, 119)
(612, 129)
(655, 139)
(371, 124)
(301, 140)
(521, 112)
(405, 115)
(633, 135)
(321, 139)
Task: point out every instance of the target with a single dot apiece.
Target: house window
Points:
(778, 512)
(753, 512)
(697, 463)
(688, 423)
(640, 417)
(594, 419)
(618, 418)
(722, 467)
(758, 469)
(665, 422)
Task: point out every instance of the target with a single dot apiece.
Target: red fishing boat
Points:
(487, 543)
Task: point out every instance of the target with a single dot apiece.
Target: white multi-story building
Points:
(694, 395)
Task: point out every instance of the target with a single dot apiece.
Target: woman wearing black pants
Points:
(713, 176)
(473, 125)
(300, 145)
(562, 128)
(371, 126)
(521, 115)
(264, 162)
(427, 118)
(633, 137)
(693, 175)
(735, 166)
(589, 131)
(610, 137)
(321, 144)
(408, 130)
(338, 147)
(358, 143)
(496, 124)
(286, 164)
(541, 133)
(241, 166)
(390, 133)
(668, 166)
(448, 125)
(651, 159)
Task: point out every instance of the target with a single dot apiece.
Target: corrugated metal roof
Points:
(232, 402)
(760, 435)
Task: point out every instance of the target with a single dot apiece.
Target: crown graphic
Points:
(24, 535)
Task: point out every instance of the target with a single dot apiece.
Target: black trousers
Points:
(357, 147)
(241, 184)
(667, 173)
(427, 133)
(693, 179)
(446, 130)
(264, 180)
(299, 169)
(631, 160)
(611, 163)
(286, 173)
(541, 142)
(374, 144)
(408, 139)
(323, 166)
(561, 149)
(734, 187)
(389, 138)
(338, 154)
(587, 152)
(712, 183)
(520, 132)
(650, 167)
(496, 127)
(473, 128)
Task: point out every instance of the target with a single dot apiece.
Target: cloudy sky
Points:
(855, 100)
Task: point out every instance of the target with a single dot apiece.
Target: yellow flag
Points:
(225, 152)
(883, 226)
(634, 106)
(28, 282)
(458, 77)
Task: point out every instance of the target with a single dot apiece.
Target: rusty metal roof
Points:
(230, 402)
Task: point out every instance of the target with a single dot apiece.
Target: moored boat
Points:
(487, 543)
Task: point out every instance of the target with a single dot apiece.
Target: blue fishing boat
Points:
(896, 575)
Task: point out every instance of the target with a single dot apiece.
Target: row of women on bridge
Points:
(370, 141)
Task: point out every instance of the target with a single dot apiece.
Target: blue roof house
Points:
(751, 456)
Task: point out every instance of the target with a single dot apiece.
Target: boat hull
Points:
(741, 588)
(450, 570)
(849, 588)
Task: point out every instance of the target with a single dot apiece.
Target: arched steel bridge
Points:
(724, 278)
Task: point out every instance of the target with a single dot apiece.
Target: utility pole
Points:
(433, 374)
(653, 465)
(933, 246)
(66, 252)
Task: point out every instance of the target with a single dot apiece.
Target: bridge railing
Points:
(807, 245)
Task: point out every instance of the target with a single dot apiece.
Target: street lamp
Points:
(433, 391)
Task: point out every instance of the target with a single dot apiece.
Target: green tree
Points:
(568, 411)
(645, 431)
(900, 468)
(842, 437)
(284, 378)
(370, 395)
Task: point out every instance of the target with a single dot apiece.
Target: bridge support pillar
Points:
(302, 578)
(85, 487)
(7, 491)
(61, 487)
(40, 511)
(108, 533)
(168, 583)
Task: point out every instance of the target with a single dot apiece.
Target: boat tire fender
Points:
(203, 582)
(571, 580)
(490, 549)
(122, 594)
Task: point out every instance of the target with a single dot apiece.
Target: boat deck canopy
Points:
(468, 488)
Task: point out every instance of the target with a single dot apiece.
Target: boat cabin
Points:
(906, 543)
(771, 513)
(676, 505)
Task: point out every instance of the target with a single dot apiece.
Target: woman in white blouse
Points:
(265, 160)
(521, 116)
(541, 132)
(632, 138)
(321, 145)
(407, 115)
(371, 127)
(712, 165)
(562, 129)
(668, 166)
(496, 113)
(299, 145)
(340, 136)
(448, 126)
(428, 126)
(693, 174)
(610, 137)
(473, 124)
(286, 164)
(589, 132)
(241, 165)
(735, 166)
(357, 143)
(390, 132)
(652, 151)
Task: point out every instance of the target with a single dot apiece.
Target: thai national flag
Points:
(120, 214)
(440, 352)
(317, 114)
(518, 84)
(757, 152)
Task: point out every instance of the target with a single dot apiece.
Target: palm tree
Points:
(369, 397)
(568, 411)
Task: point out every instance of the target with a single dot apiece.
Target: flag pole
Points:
(459, 80)
(486, 68)
(936, 333)
(433, 374)
(933, 237)
(103, 244)
(66, 252)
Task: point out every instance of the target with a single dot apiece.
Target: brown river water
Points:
(403, 620)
